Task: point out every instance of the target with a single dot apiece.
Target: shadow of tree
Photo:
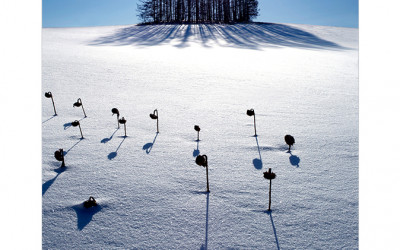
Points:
(246, 36)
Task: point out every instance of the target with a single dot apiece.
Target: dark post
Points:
(197, 128)
(50, 95)
(115, 112)
(202, 160)
(90, 203)
(269, 175)
(123, 121)
(250, 112)
(289, 140)
(59, 155)
(155, 116)
(79, 103)
(76, 123)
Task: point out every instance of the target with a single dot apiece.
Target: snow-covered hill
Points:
(300, 79)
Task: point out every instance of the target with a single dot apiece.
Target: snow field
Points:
(157, 199)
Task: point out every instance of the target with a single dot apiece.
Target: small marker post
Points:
(269, 175)
(202, 160)
(289, 140)
(250, 112)
(77, 123)
(79, 103)
(90, 203)
(123, 121)
(50, 95)
(197, 128)
(59, 155)
(115, 111)
(154, 116)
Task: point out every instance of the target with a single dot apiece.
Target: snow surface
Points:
(300, 79)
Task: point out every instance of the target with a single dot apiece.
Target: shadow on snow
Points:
(246, 36)
(85, 215)
(149, 146)
(47, 184)
(112, 155)
(258, 162)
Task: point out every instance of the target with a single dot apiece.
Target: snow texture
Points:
(301, 80)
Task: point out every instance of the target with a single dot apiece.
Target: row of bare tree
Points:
(197, 11)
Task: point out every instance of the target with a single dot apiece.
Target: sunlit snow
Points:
(301, 80)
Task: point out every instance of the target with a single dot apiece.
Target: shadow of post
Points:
(294, 160)
(273, 227)
(49, 119)
(105, 140)
(196, 152)
(66, 152)
(47, 184)
(258, 162)
(85, 215)
(205, 245)
(149, 146)
(112, 155)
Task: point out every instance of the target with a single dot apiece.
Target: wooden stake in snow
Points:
(78, 103)
(115, 111)
(76, 123)
(202, 160)
(50, 95)
(250, 112)
(155, 116)
(197, 128)
(123, 121)
(289, 140)
(59, 155)
(269, 176)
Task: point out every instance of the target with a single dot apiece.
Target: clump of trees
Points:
(197, 11)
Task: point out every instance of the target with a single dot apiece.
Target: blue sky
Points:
(76, 13)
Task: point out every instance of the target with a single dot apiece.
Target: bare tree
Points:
(195, 11)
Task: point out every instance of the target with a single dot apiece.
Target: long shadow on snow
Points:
(112, 155)
(149, 146)
(258, 162)
(246, 36)
(47, 184)
(49, 119)
(105, 140)
(273, 227)
(204, 246)
(85, 215)
(66, 152)
(196, 152)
